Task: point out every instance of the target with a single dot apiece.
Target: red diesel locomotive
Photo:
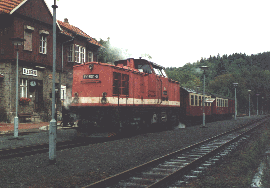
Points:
(133, 94)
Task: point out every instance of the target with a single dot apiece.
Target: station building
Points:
(33, 21)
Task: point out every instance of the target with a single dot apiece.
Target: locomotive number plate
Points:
(91, 76)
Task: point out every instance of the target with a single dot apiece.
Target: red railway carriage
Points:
(222, 106)
(133, 92)
(192, 103)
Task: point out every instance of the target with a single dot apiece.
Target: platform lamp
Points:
(257, 104)
(204, 68)
(198, 87)
(249, 102)
(53, 123)
(16, 42)
(235, 103)
(262, 105)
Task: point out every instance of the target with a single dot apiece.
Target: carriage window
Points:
(200, 100)
(192, 100)
(196, 100)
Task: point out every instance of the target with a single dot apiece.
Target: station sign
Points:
(29, 72)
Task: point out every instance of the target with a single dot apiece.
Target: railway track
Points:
(44, 148)
(180, 166)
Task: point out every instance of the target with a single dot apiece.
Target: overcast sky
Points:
(173, 32)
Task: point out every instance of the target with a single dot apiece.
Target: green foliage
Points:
(250, 72)
(110, 53)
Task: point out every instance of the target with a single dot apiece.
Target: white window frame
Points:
(70, 53)
(43, 44)
(82, 54)
(63, 92)
(23, 87)
(79, 54)
(90, 56)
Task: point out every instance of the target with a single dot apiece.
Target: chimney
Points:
(66, 20)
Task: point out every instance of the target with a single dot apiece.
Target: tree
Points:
(108, 53)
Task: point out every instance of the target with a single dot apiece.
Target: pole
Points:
(16, 119)
(257, 107)
(203, 99)
(53, 127)
(249, 105)
(235, 111)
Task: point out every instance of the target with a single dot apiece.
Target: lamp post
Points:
(198, 87)
(262, 105)
(17, 41)
(257, 104)
(235, 103)
(204, 68)
(53, 127)
(249, 103)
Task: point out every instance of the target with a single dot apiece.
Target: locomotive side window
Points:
(125, 85)
(116, 83)
(120, 84)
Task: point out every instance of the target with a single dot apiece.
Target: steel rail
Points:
(108, 182)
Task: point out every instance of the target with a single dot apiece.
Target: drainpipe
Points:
(60, 74)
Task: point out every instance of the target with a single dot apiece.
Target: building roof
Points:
(10, 6)
(6, 6)
(72, 31)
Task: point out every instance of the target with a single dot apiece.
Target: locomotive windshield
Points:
(144, 68)
(159, 71)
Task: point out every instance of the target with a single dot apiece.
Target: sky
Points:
(173, 32)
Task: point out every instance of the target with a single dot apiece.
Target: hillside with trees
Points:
(250, 72)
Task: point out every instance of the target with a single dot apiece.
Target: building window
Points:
(28, 40)
(82, 55)
(43, 44)
(23, 87)
(79, 54)
(90, 57)
(70, 53)
(63, 93)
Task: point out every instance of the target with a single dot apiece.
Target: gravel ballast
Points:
(83, 165)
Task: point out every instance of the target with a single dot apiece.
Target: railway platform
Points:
(7, 128)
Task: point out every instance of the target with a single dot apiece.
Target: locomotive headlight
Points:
(91, 66)
(104, 100)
